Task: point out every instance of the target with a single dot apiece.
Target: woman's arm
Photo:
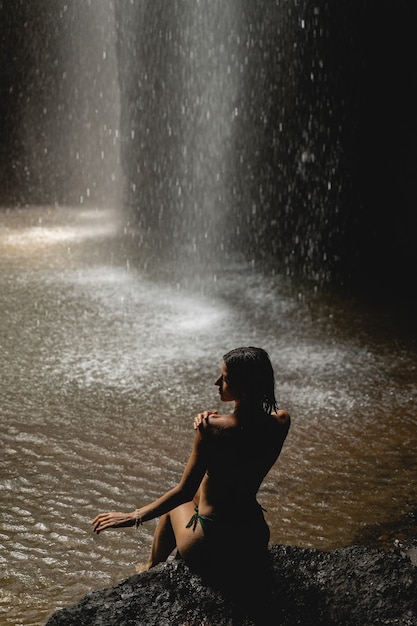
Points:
(183, 492)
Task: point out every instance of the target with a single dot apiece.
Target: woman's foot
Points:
(142, 567)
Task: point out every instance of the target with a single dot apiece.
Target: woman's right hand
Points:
(105, 521)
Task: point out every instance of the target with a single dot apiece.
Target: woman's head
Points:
(251, 376)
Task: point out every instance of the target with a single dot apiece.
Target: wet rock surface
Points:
(354, 586)
(399, 535)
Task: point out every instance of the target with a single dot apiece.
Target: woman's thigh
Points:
(190, 541)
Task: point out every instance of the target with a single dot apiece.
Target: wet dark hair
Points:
(249, 371)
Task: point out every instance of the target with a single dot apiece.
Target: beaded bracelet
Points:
(138, 519)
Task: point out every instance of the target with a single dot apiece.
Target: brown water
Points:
(103, 369)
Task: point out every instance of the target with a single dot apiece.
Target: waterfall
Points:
(228, 146)
(280, 130)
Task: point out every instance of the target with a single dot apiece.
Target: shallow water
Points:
(105, 365)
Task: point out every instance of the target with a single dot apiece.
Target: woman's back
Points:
(240, 452)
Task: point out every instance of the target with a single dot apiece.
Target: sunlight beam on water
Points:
(47, 227)
(44, 235)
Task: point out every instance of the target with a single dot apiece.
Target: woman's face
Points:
(225, 391)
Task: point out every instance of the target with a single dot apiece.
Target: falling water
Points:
(229, 142)
(111, 338)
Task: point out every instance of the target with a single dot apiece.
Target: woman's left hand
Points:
(112, 520)
(201, 417)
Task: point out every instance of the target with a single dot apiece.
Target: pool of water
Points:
(104, 365)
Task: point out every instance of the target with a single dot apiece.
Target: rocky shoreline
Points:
(353, 586)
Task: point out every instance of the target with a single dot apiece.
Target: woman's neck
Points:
(246, 408)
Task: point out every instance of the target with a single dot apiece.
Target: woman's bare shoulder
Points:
(222, 421)
(215, 423)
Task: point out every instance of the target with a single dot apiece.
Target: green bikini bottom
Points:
(204, 520)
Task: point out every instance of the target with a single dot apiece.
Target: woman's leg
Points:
(171, 533)
(189, 541)
(163, 542)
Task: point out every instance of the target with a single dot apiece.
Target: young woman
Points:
(212, 516)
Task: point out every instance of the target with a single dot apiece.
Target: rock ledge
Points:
(354, 586)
